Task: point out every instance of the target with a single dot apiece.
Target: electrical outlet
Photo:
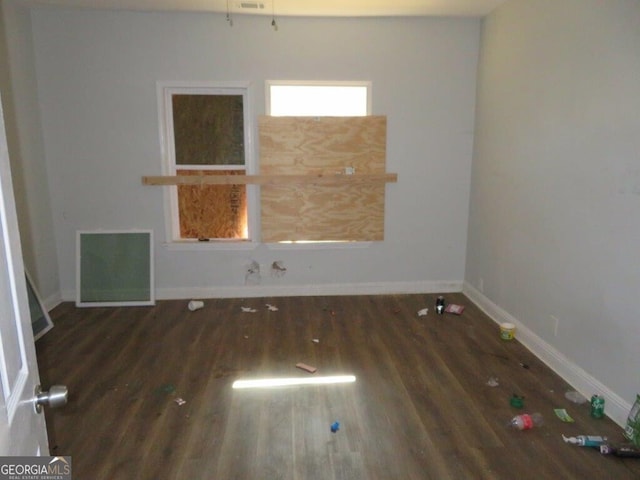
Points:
(555, 323)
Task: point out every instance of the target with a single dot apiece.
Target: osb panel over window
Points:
(212, 211)
(327, 146)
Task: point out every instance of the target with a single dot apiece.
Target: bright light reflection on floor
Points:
(285, 382)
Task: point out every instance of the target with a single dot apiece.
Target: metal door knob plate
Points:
(56, 397)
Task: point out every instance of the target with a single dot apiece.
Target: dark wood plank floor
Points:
(420, 408)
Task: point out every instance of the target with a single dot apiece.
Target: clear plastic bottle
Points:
(526, 421)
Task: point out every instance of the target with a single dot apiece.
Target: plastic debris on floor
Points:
(563, 415)
(493, 382)
(455, 309)
(575, 397)
(194, 305)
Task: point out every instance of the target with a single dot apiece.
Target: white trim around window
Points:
(165, 90)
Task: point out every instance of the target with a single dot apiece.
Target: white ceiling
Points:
(357, 8)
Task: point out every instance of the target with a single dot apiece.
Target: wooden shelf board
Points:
(319, 179)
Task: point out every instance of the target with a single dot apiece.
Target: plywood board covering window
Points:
(212, 211)
(322, 146)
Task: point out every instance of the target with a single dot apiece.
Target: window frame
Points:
(165, 91)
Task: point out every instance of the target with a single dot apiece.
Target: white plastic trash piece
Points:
(575, 397)
(180, 401)
(195, 305)
(423, 312)
(315, 340)
(248, 309)
(493, 382)
(271, 308)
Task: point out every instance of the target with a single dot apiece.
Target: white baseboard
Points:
(251, 291)
(616, 408)
(52, 302)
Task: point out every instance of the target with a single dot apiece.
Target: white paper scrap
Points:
(493, 382)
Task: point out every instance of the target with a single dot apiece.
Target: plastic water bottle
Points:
(526, 421)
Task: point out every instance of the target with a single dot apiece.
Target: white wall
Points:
(24, 136)
(554, 224)
(97, 74)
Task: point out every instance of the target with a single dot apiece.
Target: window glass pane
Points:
(212, 211)
(208, 129)
(318, 100)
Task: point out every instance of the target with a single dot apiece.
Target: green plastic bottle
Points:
(632, 429)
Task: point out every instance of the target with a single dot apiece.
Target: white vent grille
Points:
(250, 5)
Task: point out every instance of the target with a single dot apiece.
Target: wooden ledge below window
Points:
(318, 179)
